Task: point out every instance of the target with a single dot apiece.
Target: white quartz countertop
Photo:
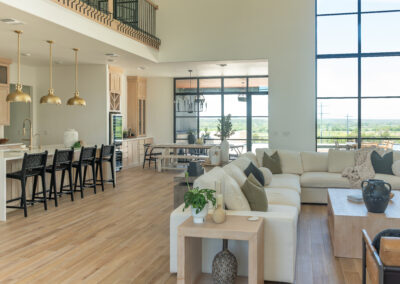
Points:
(17, 154)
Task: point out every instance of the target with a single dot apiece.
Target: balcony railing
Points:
(134, 18)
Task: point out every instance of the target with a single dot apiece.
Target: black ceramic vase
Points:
(376, 195)
(224, 266)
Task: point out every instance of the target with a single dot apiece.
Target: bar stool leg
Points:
(70, 183)
(112, 172)
(35, 179)
(43, 175)
(84, 176)
(54, 188)
(23, 196)
(80, 180)
(62, 181)
(94, 177)
(100, 165)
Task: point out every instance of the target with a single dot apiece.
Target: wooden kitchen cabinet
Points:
(4, 90)
(137, 89)
(115, 75)
(133, 151)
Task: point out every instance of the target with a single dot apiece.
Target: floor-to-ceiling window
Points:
(200, 102)
(358, 72)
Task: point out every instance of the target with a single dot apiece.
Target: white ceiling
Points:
(37, 31)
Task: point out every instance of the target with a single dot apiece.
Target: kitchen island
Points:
(11, 161)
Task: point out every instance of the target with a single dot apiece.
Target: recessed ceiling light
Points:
(111, 60)
(111, 54)
(26, 54)
(11, 21)
(141, 68)
(223, 65)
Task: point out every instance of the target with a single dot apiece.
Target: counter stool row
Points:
(34, 165)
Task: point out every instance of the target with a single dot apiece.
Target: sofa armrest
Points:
(280, 239)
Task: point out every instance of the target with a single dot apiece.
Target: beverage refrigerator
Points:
(116, 137)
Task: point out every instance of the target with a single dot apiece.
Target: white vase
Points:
(224, 151)
(199, 218)
(70, 137)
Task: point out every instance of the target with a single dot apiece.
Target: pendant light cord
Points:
(76, 70)
(19, 56)
(51, 65)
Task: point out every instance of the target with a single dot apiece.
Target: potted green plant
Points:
(224, 131)
(198, 199)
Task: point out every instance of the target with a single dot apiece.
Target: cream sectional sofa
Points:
(305, 178)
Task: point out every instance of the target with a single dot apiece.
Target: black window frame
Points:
(249, 140)
(359, 56)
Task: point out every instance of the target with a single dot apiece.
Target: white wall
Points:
(283, 32)
(160, 112)
(91, 121)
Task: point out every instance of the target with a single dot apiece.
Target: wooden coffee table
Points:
(346, 219)
(234, 228)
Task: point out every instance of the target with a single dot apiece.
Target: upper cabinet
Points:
(115, 83)
(137, 89)
(4, 90)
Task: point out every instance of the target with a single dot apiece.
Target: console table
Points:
(234, 228)
(346, 219)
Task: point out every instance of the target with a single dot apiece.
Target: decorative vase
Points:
(191, 138)
(224, 151)
(224, 266)
(376, 195)
(219, 214)
(70, 137)
(215, 155)
(199, 218)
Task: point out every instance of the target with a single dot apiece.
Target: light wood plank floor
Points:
(122, 236)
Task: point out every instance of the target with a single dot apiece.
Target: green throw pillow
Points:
(273, 163)
(255, 194)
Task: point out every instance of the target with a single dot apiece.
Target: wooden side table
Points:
(234, 228)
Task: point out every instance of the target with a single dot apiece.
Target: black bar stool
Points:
(87, 158)
(62, 161)
(150, 156)
(33, 165)
(106, 155)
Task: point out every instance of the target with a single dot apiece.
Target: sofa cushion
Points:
(233, 196)
(288, 181)
(394, 181)
(283, 196)
(382, 164)
(290, 162)
(272, 162)
(267, 175)
(241, 162)
(260, 154)
(314, 161)
(236, 173)
(252, 157)
(324, 179)
(208, 180)
(252, 169)
(255, 194)
(338, 160)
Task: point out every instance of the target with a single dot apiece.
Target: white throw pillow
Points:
(252, 157)
(314, 161)
(267, 175)
(396, 168)
(396, 155)
(233, 196)
(236, 173)
(260, 154)
(290, 162)
(338, 160)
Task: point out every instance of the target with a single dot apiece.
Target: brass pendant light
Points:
(18, 95)
(50, 98)
(76, 100)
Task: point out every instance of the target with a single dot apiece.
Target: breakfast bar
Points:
(11, 161)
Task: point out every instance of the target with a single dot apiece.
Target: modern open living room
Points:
(188, 141)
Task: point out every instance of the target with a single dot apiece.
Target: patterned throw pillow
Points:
(252, 169)
(255, 194)
(273, 163)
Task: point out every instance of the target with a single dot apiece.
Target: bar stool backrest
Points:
(107, 152)
(88, 154)
(63, 158)
(35, 162)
